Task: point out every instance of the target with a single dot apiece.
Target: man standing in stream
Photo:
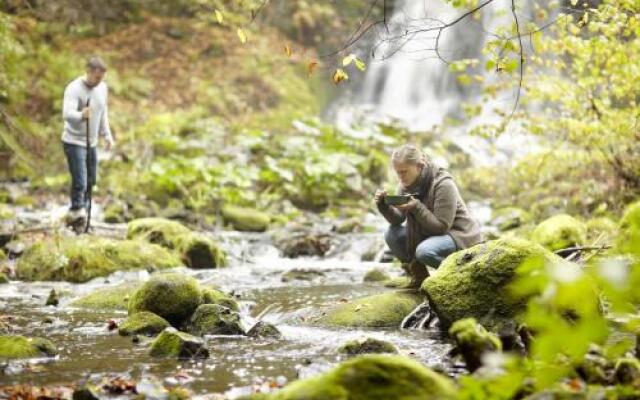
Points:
(86, 117)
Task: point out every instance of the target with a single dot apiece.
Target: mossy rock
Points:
(214, 319)
(560, 232)
(397, 282)
(142, 323)
(382, 310)
(301, 274)
(245, 219)
(474, 282)
(629, 238)
(3, 278)
(216, 296)
(264, 330)
(627, 371)
(367, 346)
(601, 226)
(176, 344)
(25, 347)
(375, 275)
(195, 249)
(111, 298)
(473, 340)
(115, 212)
(80, 259)
(172, 296)
(510, 217)
(6, 213)
(370, 377)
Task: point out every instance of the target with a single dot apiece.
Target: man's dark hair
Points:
(95, 62)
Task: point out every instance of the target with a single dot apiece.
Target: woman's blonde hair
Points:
(408, 154)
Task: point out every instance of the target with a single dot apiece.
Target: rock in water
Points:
(375, 275)
(560, 232)
(13, 346)
(213, 319)
(245, 219)
(196, 249)
(173, 343)
(382, 310)
(142, 323)
(474, 282)
(52, 300)
(172, 296)
(473, 341)
(370, 377)
(367, 346)
(264, 330)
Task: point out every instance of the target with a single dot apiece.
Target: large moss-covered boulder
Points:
(172, 296)
(25, 347)
(214, 319)
(473, 341)
(382, 310)
(110, 298)
(367, 346)
(173, 343)
(80, 259)
(371, 377)
(195, 249)
(245, 219)
(142, 323)
(560, 232)
(629, 228)
(474, 282)
(216, 296)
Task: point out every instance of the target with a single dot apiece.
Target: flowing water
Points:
(89, 351)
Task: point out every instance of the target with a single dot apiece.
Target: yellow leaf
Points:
(218, 15)
(348, 60)
(360, 64)
(242, 35)
(339, 76)
(287, 50)
(311, 67)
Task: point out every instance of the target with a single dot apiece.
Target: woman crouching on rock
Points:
(437, 220)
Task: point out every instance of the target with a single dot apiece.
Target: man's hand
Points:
(109, 143)
(379, 196)
(86, 112)
(410, 206)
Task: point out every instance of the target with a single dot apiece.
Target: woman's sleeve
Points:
(445, 205)
(390, 213)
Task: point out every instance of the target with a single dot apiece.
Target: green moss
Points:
(245, 219)
(376, 275)
(213, 319)
(264, 330)
(510, 217)
(24, 347)
(383, 310)
(79, 259)
(215, 296)
(172, 296)
(397, 282)
(3, 278)
(111, 298)
(6, 212)
(142, 323)
(473, 340)
(559, 232)
(371, 377)
(627, 371)
(630, 230)
(601, 226)
(173, 343)
(196, 249)
(473, 282)
(367, 346)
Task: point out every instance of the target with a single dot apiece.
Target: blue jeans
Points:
(77, 162)
(431, 251)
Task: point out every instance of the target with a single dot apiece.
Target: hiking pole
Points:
(88, 166)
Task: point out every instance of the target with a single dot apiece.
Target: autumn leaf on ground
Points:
(311, 67)
(242, 35)
(218, 16)
(339, 76)
(348, 60)
(360, 64)
(287, 50)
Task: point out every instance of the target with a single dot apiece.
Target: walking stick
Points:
(89, 183)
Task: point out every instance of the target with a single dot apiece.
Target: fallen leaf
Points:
(287, 50)
(311, 67)
(218, 15)
(242, 35)
(339, 76)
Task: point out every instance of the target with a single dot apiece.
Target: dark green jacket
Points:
(441, 211)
